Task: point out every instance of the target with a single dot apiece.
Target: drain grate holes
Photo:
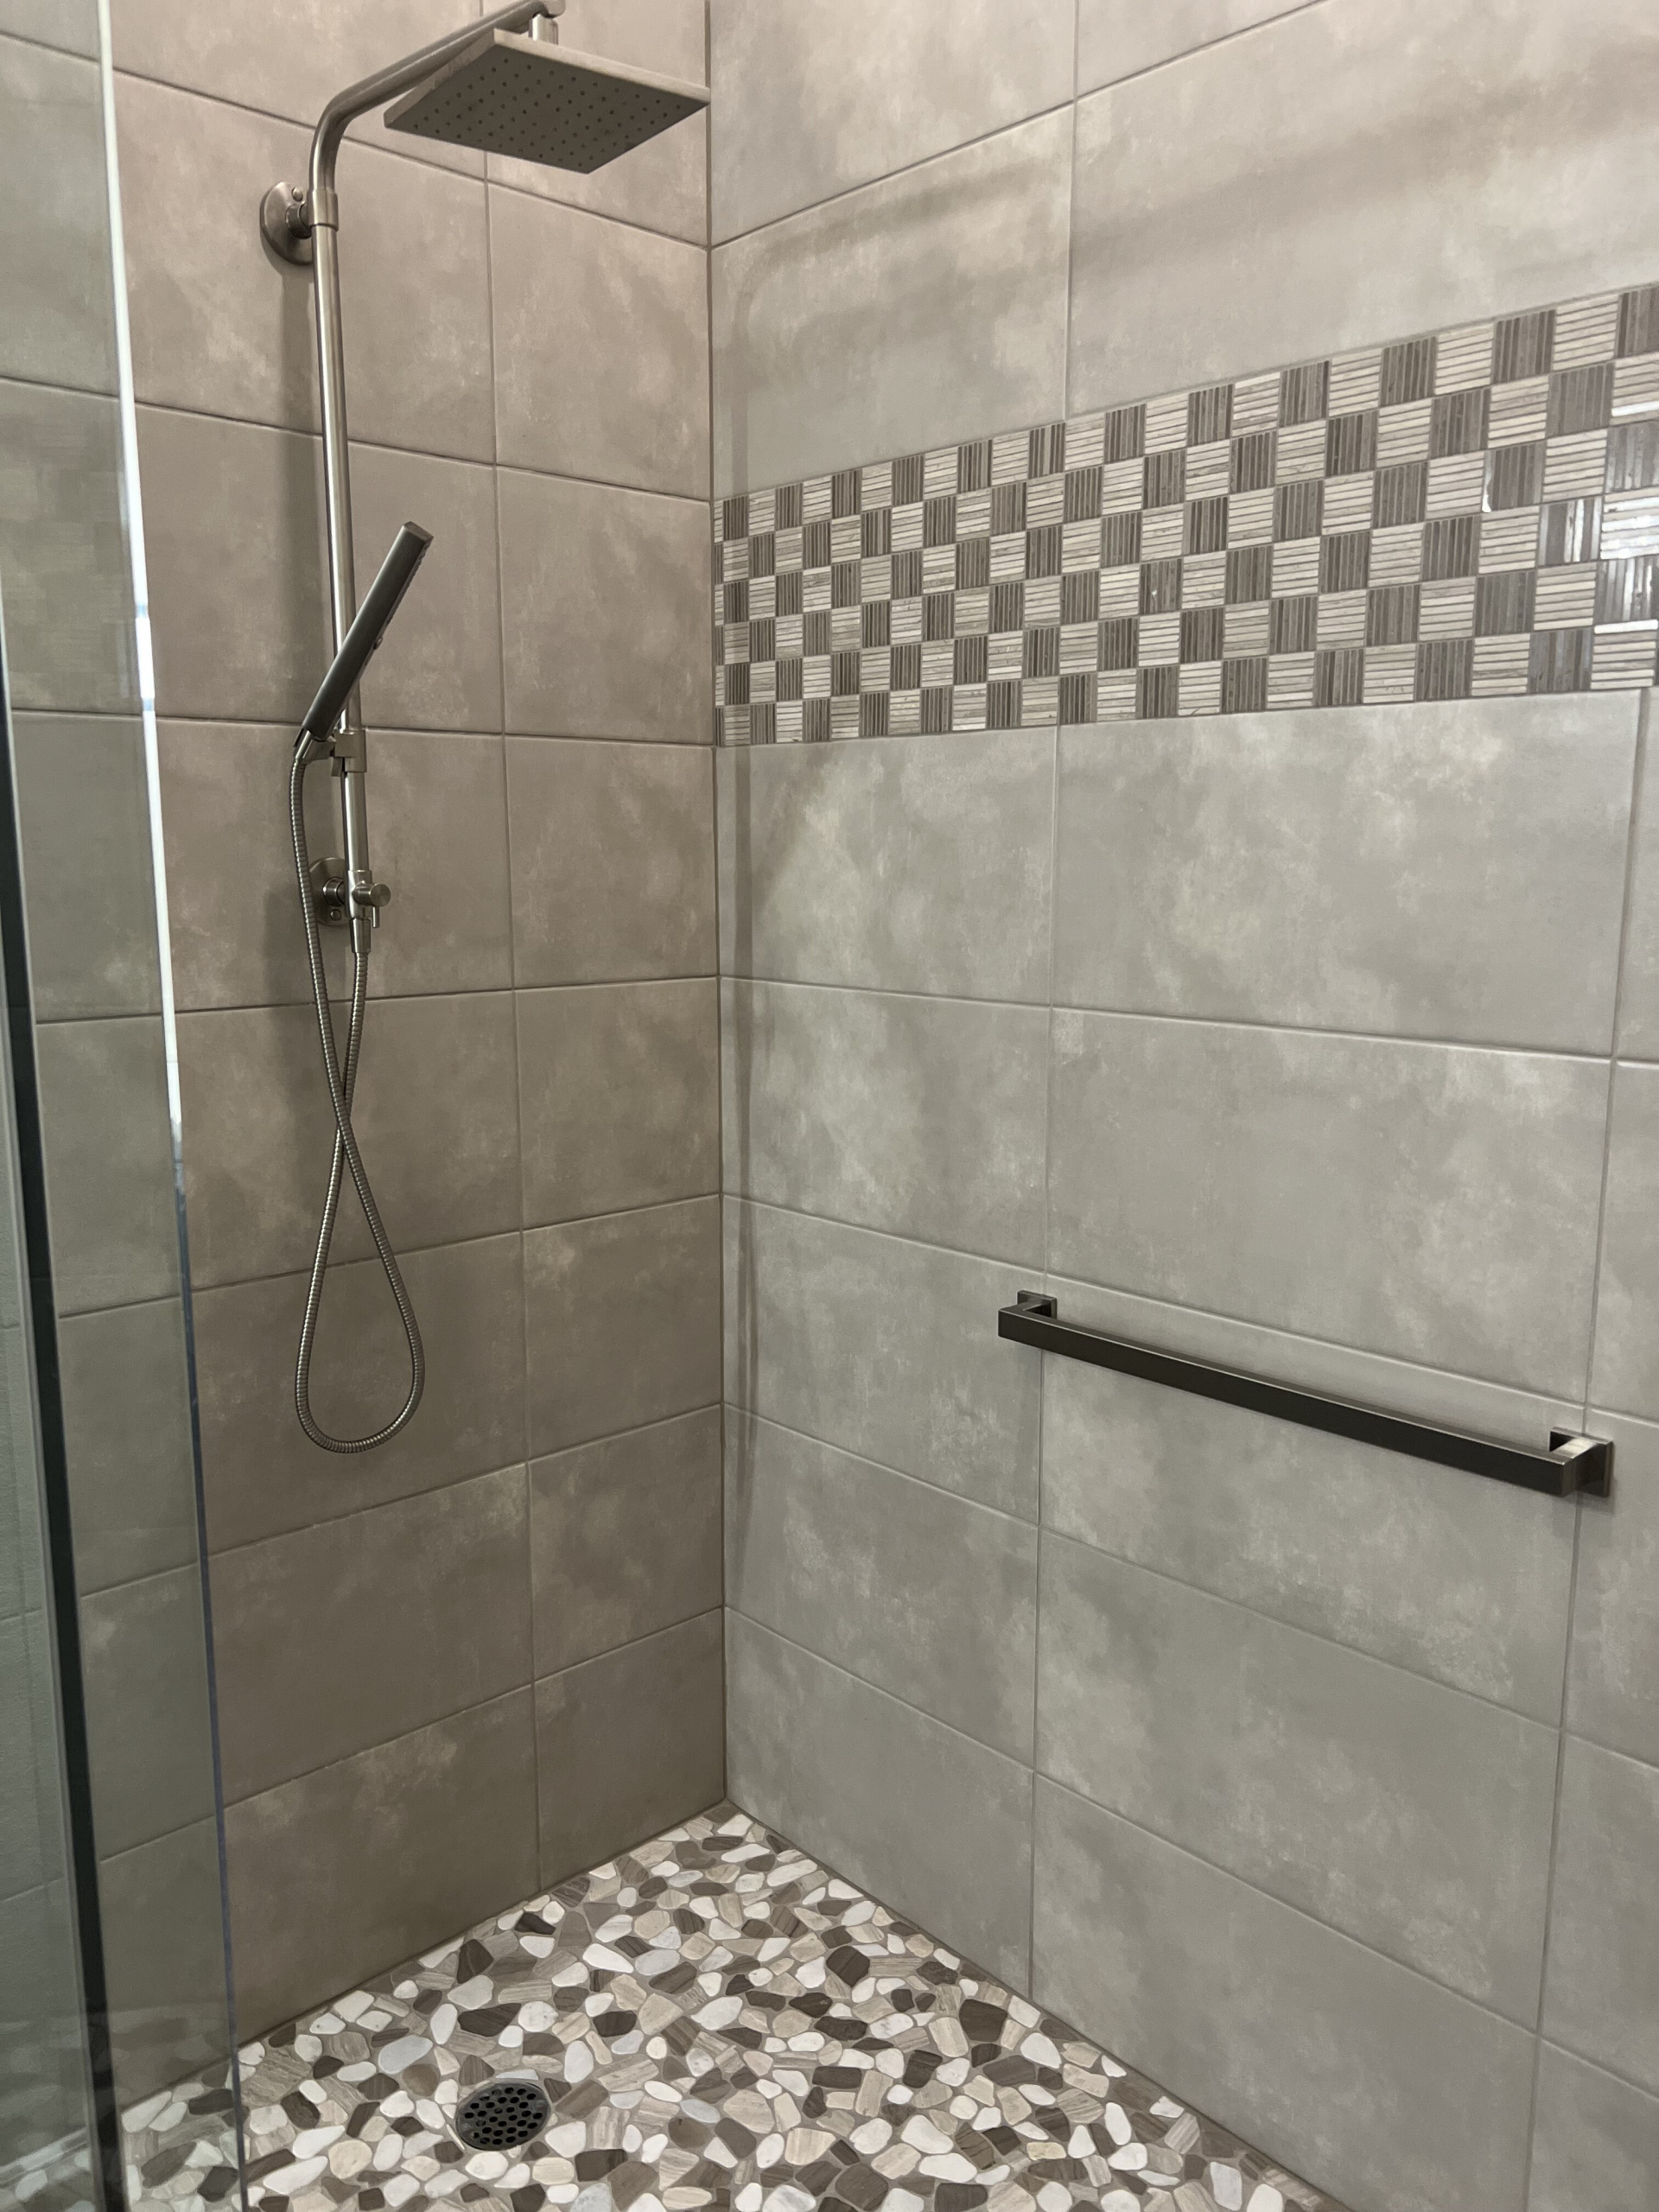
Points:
(500, 2115)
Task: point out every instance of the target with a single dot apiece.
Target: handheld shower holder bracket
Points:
(285, 220)
(335, 897)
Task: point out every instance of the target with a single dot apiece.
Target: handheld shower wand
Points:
(489, 87)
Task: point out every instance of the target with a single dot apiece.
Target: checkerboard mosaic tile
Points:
(1473, 514)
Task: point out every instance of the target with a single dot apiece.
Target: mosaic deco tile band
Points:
(1472, 514)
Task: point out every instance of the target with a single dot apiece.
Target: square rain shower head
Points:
(539, 102)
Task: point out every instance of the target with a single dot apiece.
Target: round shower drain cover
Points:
(501, 2114)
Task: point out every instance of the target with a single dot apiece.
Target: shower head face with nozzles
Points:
(538, 102)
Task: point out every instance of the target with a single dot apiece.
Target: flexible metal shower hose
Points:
(341, 1084)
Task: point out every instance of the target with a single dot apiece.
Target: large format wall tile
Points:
(437, 1119)
(54, 264)
(613, 862)
(1120, 38)
(1433, 1203)
(601, 347)
(1455, 872)
(1627, 1342)
(1286, 195)
(437, 834)
(309, 1608)
(263, 1475)
(1613, 1679)
(1354, 2071)
(107, 1129)
(924, 1116)
(83, 803)
(164, 1953)
(619, 1097)
(220, 324)
(629, 1743)
(63, 553)
(69, 24)
(1595, 2139)
(233, 534)
(624, 1537)
(605, 604)
(960, 265)
(1412, 1816)
(1638, 993)
(932, 1822)
(623, 1321)
(439, 667)
(1462, 1579)
(812, 100)
(921, 864)
(144, 1655)
(451, 1809)
(126, 1419)
(883, 1348)
(926, 1596)
(1601, 1991)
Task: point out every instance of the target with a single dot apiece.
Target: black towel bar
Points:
(1574, 1465)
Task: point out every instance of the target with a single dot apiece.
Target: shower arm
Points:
(306, 225)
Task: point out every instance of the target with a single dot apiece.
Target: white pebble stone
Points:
(379, 2018)
(487, 2166)
(1040, 2051)
(286, 2181)
(307, 2048)
(310, 2140)
(398, 2105)
(921, 2133)
(537, 1946)
(769, 2151)
(951, 2165)
(1264, 2197)
(1118, 2125)
(401, 2188)
(328, 2023)
(1119, 2200)
(394, 2056)
(748, 2199)
(388, 2151)
(578, 2063)
(721, 2013)
(348, 2157)
(358, 2070)
(443, 2023)
(511, 2037)
(1130, 2160)
(904, 2200)
(404, 1990)
(465, 1994)
(566, 2140)
(787, 2198)
(873, 2136)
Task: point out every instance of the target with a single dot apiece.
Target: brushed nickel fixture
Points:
(504, 86)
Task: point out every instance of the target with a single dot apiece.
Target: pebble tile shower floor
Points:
(717, 2021)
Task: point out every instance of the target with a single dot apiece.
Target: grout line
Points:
(365, 1511)
(844, 1450)
(1527, 1398)
(1286, 1905)
(873, 183)
(1192, 52)
(383, 729)
(1192, 1021)
(405, 998)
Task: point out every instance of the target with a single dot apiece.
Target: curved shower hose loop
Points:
(341, 1084)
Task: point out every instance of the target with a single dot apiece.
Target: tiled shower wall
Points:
(1319, 1783)
(490, 1652)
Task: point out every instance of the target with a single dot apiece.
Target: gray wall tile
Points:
(63, 553)
(606, 611)
(70, 24)
(602, 342)
(24, 1704)
(613, 860)
(165, 1954)
(1595, 2140)
(84, 821)
(961, 265)
(263, 1475)
(1612, 1691)
(1638, 991)
(618, 1096)
(1119, 38)
(144, 1655)
(109, 1162)
(881, 1347)
(810, 100)
(41, 2043)
(624, 1537)
(1455, 872)
(924, 1116)
(1354, 2071)
(232, 532)
(439, 667)
(628, 1744)
(218, 322)
(438, 833)
(1601, 1986)
(938, 1826)
(1461, 1579)
(926, 1596)
(919, 865)
(1244, 1169)
(1408, 1815)
(309, 1608)
(54, 263)
(1626, 1373)
(126, 1415)
(1334, 143)
(623, 1321)
(443, 1155)
(451, 1807)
